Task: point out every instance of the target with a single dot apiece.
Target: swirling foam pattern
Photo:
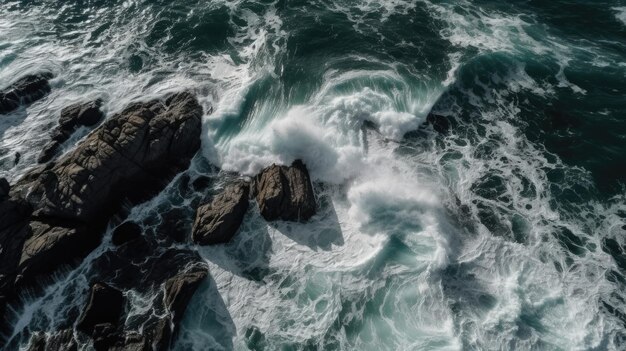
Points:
(506, 232)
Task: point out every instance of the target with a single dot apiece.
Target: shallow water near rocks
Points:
(507, 231)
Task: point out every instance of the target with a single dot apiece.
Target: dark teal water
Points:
(507, 231)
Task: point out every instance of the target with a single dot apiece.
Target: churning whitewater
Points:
(468, 160)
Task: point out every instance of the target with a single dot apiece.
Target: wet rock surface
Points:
(174, 274)
(56, 213)
(72, 117)
(59, 341)
(285, 193)
(141, 146)
(25, 90)
(218, 221)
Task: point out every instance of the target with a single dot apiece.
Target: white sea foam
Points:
(620, 14)
(383, 265)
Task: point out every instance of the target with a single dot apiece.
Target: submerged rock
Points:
(72, 117)
(25, 90)
(218, 221)
(285, 193)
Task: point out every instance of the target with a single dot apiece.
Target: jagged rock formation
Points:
(72, 117)
(103, 316)
(218, 221)
(285, 193)
(60, 341)
(55, 214)
(24, 91)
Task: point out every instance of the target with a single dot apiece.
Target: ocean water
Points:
(507, 232)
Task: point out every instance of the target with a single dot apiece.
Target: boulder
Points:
(25, 90)
(180, 289)
(81, 114)
(218, 221)
(105, 306)
(126, 232)
(285, 193)
(72, 117)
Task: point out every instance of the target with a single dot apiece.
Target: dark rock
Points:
(217, 222)
(26, 90)
(285, 193)
(155, 336)
(4, 188)
(53, 243)
(125, 232)
(14, 230)
(72, 117)
(48, 152)
(159, 327)
(37, 342)
(180, 289)
(440, 123)
(105, 306)
(72, 198)
(82, 114)
(59, 341)
(55, 213)
(144, 144)
(104, 336)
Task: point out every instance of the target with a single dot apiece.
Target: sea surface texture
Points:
(498, 225)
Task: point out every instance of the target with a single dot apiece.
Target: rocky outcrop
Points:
(218, 221)
(59, 341)
(132, 150)
(104, 311)
(24, 91)
(72, 117)
(285, 193)
(55, 214)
